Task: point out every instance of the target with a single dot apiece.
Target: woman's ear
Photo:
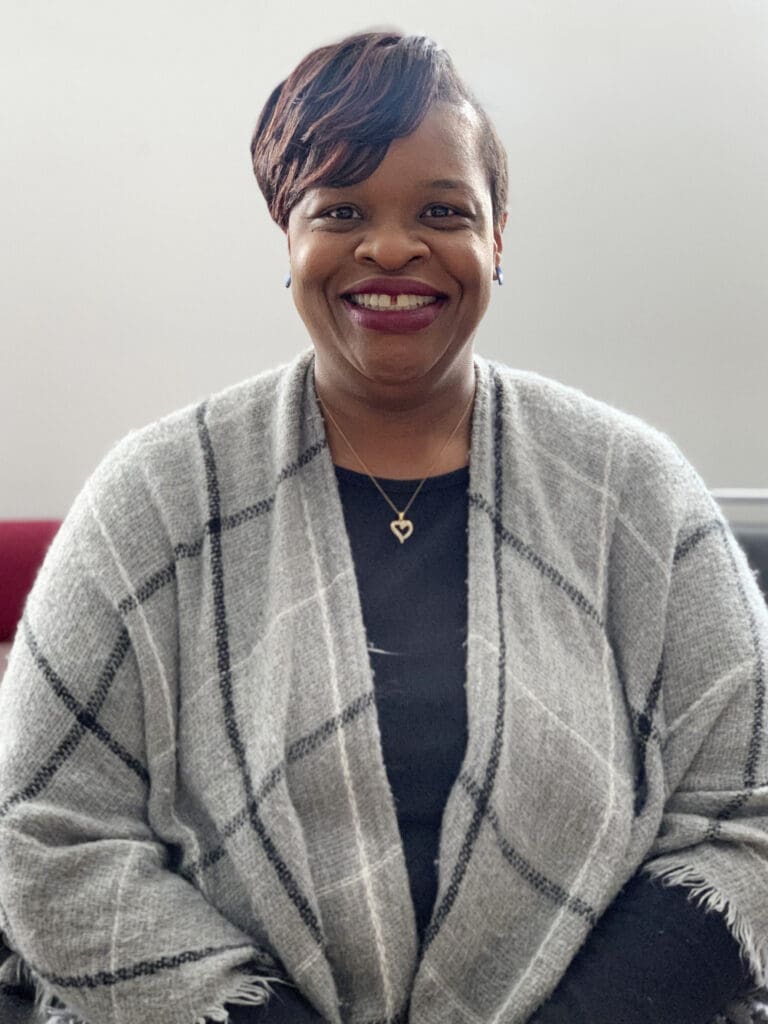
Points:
(498, 244)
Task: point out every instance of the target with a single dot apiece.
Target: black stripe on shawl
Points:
(192, 550)
(731, 808)
(539, 563)
(142, 969)
(306, 744)
(643, 723)
(446, 904)
(167, 573)
(245, 515)
(150, 586)
(685, 547)
(304, 459)
(300, 748)
(72, 740)
(84, 715)
(538, 881)
(274, 857)
(208, 860)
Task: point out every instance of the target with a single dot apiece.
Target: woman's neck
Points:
(427, 435)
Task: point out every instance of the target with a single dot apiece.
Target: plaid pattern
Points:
(192, 794)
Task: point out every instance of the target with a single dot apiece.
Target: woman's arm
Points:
(655, 957)
(702, 734)
(88, 898)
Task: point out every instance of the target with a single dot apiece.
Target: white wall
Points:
(139, 269)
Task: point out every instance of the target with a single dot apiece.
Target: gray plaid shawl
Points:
(192, 794)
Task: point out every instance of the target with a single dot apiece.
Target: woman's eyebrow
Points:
(445, 183)
(455, 184)
(451, 183)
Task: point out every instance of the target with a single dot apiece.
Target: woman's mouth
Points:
(389, 303)
(393, 314)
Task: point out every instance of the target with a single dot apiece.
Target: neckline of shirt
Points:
(455, 478)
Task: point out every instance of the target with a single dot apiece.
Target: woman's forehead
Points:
(447, 132)
(442, 153)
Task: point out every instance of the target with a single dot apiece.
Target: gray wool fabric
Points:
(193, 801)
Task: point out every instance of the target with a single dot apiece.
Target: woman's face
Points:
(393, 275)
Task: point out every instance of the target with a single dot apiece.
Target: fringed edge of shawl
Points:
(249, 990)
(711, 899)
(745, 1011)
(48, 1006)
(754, 1003)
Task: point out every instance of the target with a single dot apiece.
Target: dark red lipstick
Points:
(393, 319)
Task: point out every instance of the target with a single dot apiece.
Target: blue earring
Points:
(499, 275)
(288, 280)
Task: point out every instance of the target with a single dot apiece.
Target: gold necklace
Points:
(401, 527)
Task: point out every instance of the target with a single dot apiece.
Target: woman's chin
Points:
(391, 374)
(398, 360)
(378, 365)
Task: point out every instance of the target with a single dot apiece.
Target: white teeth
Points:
(391, 302)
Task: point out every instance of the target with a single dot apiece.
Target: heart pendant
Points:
(402, 529)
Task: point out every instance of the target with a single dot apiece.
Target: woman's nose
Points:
(391, 246)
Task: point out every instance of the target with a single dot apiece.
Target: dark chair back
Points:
(754, 540)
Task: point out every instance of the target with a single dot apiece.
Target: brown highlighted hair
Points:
(332, 120)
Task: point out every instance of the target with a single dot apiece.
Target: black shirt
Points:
(414, 603)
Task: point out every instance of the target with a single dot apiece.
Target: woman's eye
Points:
(440, 210)
(342, 213)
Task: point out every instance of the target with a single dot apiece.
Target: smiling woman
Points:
(393, 684)
(390, 183)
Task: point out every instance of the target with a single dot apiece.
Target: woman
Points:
(259, 734)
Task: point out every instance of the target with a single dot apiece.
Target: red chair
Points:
(23, 544)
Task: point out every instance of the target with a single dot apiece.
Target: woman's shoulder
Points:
(166, 444)
(543, 401)
(156, 481)
(250, 400)
(599, 441)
